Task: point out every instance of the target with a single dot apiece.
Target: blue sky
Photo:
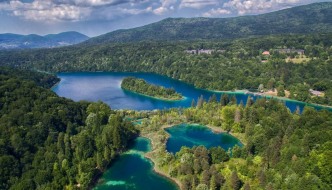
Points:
(95, 17)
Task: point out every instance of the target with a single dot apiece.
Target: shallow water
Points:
(194, 135)
(132, 171)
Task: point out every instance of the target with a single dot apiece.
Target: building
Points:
(204, 51)
(315, 92)
(266, 53)
(286, 51)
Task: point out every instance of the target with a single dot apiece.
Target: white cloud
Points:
(216, 12)
(197, 4)
(257, 6)
(90, 3)
(46, 11)
(165, 7)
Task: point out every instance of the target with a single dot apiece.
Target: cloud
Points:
(197, 4)
(89, 3)
(217, 12)
(40, 10)
(165, 7)
(257, 6)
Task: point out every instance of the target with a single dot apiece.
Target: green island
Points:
(140, 86)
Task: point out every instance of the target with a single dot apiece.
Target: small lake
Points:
(194, 135)
(105, 86)
(133, 171)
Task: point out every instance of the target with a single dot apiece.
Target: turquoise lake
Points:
(105, 86)
(132, 171)
(194, 135)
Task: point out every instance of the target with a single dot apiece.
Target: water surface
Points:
(132, 171)
(106, 86)
(190, 135)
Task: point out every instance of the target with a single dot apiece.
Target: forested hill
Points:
(16, 41)
(303, 19)
(49, 142)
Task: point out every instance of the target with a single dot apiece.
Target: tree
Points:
(260, 88)
(249, 101)
(202, 187)
(281, 91)
(200, 101)
(236, 183)
(224, 100)
(193, 103)
(213, 98)
(218, 155)
(228, 115)
(246, 186)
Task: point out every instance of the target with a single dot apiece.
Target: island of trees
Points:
(142, 87)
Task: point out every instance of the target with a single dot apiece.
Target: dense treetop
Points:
(48, 142)
(282, 150)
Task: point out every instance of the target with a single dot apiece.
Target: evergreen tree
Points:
(235, 181)
(224, 100)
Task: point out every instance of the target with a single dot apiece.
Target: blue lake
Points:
(194, 135)
(105, 86)
(133, 171)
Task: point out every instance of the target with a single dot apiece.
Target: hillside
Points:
(49, 142)
(16, 41)
(302, 20)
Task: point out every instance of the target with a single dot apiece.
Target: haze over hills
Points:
(16, 41)
(305, 19)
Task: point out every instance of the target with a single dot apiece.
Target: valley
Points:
(238, 102)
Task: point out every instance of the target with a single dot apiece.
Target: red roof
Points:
(266, 53)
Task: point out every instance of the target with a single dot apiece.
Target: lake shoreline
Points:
(269, 96)
(157, 98)
(154, 149)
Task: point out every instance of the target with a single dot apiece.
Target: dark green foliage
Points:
(218, 155)
(142, 87)
(281, 91)
(41, 79)
(51, 142)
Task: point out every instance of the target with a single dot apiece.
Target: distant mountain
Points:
(16, 41)
(305, 19)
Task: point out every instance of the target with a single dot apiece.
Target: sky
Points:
(96, 17)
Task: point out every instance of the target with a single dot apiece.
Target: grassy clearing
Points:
(298, 59)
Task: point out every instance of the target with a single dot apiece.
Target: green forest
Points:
(142, 87)
(48, 142)
(282, 150)
(240, 66)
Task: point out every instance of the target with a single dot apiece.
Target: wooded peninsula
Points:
(140, 86)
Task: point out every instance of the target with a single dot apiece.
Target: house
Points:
(286, 51)
(315, 92)
(266, 53)
(204, 51)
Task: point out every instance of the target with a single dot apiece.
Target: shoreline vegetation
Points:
(141, 87)
(267, 94)
(152, 155)
(156, 147)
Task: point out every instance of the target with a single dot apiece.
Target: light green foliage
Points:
(228, 115)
